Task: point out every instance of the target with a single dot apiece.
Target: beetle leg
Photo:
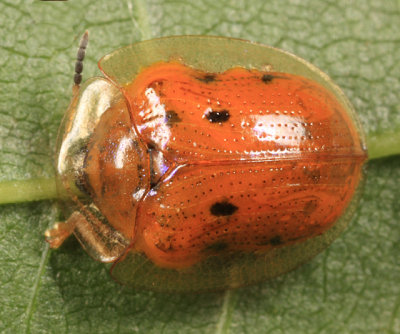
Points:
(58, 233)
(100, 240)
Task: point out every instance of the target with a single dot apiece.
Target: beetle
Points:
(204, 163)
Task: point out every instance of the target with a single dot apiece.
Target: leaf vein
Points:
(35, 289)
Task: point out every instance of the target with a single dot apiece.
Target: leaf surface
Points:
(353, 287)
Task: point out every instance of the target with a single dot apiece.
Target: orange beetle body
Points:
(185, 165)
(257, 160)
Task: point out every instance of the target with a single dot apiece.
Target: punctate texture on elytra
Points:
(188, 168)
(259, 161)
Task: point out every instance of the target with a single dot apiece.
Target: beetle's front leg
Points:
(59, 233)
(93, 231)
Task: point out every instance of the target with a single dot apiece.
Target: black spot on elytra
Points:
(276, 241)
(223, 209)
(219, 116)
(207, 78)
(218, 246)
(172, 117)
(267, 78)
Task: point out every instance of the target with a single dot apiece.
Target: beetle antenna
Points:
(79, 60)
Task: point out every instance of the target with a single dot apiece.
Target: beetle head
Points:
(101, 161)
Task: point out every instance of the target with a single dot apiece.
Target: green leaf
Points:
(352, 287)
